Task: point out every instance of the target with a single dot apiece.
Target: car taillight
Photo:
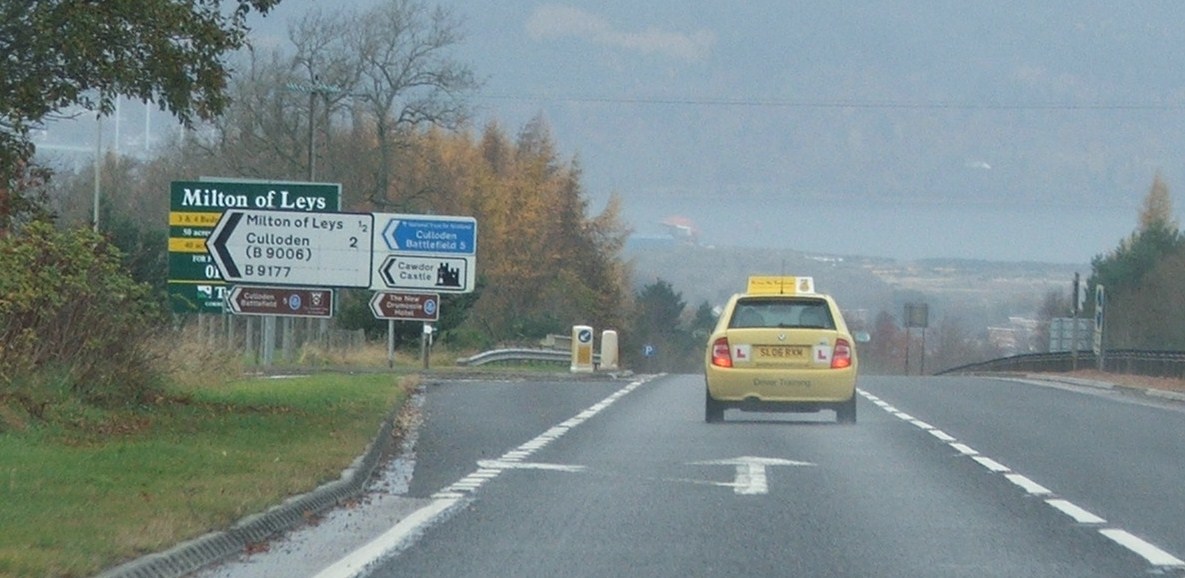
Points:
(841, 357)
(720, 354)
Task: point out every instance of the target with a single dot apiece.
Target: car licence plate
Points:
(782, 351)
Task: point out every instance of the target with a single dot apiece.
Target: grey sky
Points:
(998, 130)
(906, 129)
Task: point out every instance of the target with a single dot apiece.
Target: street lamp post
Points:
(315, 88)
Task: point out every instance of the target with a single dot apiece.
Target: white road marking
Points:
(443, 501)
(1078, 514)
(991, 464)
(942, 435)
(1028, 485)
(362, 559)
(496, 466)
(1153, 554)
(750, 472)
(964, 449)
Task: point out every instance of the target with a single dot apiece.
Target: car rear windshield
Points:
(782, 313)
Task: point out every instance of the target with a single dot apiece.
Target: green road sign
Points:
(195, 208)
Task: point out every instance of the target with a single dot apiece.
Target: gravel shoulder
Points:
(323, 540)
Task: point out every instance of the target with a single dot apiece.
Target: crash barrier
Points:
(518, 356)
(1126, 361)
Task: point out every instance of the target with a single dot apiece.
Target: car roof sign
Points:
(780, 285)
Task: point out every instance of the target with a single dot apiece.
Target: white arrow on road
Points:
(507, 465)
(750, 480)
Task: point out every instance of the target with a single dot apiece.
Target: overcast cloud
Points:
(558, 22)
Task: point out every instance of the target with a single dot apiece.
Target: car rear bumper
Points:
(755, 386)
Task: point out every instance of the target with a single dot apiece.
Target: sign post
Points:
(195, 285)
(424, 253)
(916, 315)
(406, 306)
(1100, 299)
(293, 248)
(423, 307)
(287, 301)
(582, 349)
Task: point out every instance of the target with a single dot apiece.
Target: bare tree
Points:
(406, 81)
(347, 100)
(954, 346)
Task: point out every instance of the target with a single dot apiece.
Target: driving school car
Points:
(781, 347)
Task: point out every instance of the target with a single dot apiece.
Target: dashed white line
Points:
(964, 449)
(1078, 514)
(942, 435)
(1153, 554)
(1028, 485)
(991, 464)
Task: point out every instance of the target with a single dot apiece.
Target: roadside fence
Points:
(1126, 361)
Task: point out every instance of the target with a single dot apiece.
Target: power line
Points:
(837, 104)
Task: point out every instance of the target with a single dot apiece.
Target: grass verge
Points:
(106, 486)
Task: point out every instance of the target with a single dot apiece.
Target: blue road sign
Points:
(424, 234)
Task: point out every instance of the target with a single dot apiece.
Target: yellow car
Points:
(781, 347)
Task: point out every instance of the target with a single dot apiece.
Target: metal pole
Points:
(312, 109)
(425, 335)
(249, 340)
(922, 370)
(98, 166)
(908, 338)
(268, 340)
(391, 343)
(1074, 328)
(1103, 342)
(286, 342)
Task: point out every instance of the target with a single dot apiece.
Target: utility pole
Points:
(1074, 327)
(314, 88)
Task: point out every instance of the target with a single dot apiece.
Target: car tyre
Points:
(846, 412)
(713, 410)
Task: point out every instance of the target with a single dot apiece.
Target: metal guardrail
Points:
(1128, 361)
(520, 355)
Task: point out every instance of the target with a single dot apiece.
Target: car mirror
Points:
(862, 337)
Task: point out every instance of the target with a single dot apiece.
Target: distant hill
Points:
(977, 293)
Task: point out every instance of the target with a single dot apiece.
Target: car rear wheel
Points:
(713, 410)
(846, 412)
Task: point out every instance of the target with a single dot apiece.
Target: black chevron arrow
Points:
(232, 220)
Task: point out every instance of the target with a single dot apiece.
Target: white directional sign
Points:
(424, 252)
(294, 248)
(750, 477)
(426, 273)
